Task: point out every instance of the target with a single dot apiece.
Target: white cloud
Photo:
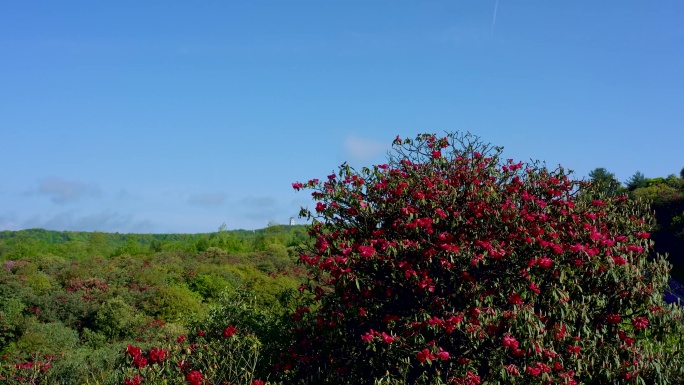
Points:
(363, 150)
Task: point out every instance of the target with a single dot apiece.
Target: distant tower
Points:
(291, 221)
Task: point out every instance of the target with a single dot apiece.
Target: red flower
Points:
(514, 299)
(200, 333)
(194, 377)
(640, 323)
(139, 361)
(619, 260)
(387, 338)
(510, 342)
(512, 369)
(366, 251)
(443, 355)
(544, 262)
(424, 355)
(367, 337)
(534, 372)
(534, 287)
(257, 382)
(135, 380)
(297, 185)
(574, 349)
(132, 351)
(613, 318)
(229, 331)
(634, 248)
(180, 339)
(157, 355)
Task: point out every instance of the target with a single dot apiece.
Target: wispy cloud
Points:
(63, 191)
(107, 221)
(260, 208)
(362, 150)
(496, 7)
(8, 221)
(207, 199)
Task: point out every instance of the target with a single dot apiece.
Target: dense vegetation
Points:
(447, 265)
(71, 302)
(666, 197)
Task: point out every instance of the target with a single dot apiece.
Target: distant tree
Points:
(606, 181)
(202, 244)
(672, 181)
(97, 244)
(681, 173)
(636, 181)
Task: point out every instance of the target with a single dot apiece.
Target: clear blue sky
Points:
(178, 116)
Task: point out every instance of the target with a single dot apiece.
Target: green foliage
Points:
(115, 319)
(48, 338)
(636, 181)
(605, 181)
(209, 286)
(657, 192)
(175, 303)
(39, 281)
(12, 321)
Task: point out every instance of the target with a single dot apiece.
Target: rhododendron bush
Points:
(452, 265)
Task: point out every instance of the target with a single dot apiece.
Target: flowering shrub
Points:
(449, 265)
(201, 359)
(221, 349)
(32, 372)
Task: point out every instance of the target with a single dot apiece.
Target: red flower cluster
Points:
(135, 380)
(229, 331)
(140, 361)
(194, 377)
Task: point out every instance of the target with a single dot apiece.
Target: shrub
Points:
(223, 348)
(115, 319)
(452, 265)
(48, 338)
(173, 303)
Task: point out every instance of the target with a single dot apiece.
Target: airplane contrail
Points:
(496, 6)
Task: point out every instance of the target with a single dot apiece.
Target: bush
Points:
(115, 319)
(174, 303)
(451, 265)
(48, 338)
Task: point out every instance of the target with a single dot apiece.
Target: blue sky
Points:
(178, 116)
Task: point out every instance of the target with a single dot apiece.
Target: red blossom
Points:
(135, 380)
(574, 349)
(640, 323)
(229, 331)
(425, 355)
(194, 377)
(157, 355)
(133, 351)
(139, 361)
(544, 262)
(613, 319)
